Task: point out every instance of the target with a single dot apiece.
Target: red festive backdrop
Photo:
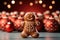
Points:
(26, 7)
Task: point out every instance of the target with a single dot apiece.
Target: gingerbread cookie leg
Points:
(24, 34)
(35, 35)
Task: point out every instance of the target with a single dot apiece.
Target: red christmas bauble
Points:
(18, 25)
(4, 20)
(13, 18)
(39, 23)
(9, 27)
(51, 25)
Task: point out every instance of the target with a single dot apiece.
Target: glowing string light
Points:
(12, 2)
(53, 2)
(8, 6)
(44, 5)
(36, 2)
(31, 4)
(57, 11)
(50, 7)
(20, 2)
(5, 3)
(40, 1)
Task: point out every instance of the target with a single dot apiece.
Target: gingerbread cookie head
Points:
(29, 16)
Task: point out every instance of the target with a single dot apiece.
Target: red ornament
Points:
(13, 17)
(40, 16)
(51, 25)
(22, 14)
(39, 26)
(4, 20)
(18, 25)
(46, 17)
(9, 27)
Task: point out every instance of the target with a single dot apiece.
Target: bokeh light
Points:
(47, 12)
(31, 4)
(44, 5)
(39, 14)
(12, 2)
(20, 2)
(50, 7)
(21, 13)
(3, 12)
(53, 2)
(53, 13)
(36, 2)
(7, 13)
(15, 12)
(40, 1)
(8, 6)
(5, 3)
(57, 11)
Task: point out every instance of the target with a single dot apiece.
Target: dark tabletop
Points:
(16, 36)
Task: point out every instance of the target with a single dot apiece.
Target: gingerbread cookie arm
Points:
(37, 23)
(22, 23)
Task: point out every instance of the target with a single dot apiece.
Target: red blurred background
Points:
(26, 7)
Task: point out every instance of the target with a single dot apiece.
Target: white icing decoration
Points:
(9, 23)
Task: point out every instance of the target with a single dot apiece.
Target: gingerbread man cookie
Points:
(29, 26)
